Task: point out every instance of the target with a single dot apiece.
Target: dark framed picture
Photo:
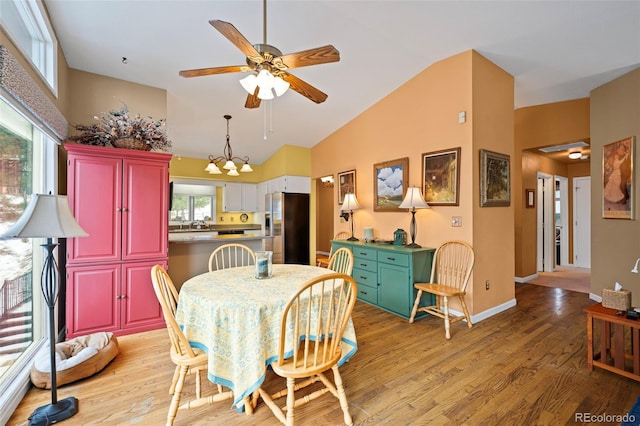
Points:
(390, 183)
(530, 198)
(441, 177)
(346, 184)
(617, 179)
(495, 179)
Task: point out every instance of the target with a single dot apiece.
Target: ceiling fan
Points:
(268, 66)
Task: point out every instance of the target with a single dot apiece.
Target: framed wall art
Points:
(441, 177)
(495, 179)
(390, 183)
(346, 184)
(617, 179)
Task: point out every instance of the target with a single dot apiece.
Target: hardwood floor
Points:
(524, 366)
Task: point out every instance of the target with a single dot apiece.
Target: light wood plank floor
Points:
(524, 366)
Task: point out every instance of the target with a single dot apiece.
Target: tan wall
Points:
(493, 227)
(420, 117)
(552, 124)
(615, 244)
(535, 127)
(324, 208)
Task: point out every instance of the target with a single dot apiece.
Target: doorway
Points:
(324, 214)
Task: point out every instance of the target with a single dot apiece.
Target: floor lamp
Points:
(413, 200)
(49, 216)
(350, 204)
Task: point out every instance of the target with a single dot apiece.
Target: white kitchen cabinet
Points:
(287, 183)
(239, 197)
(262, 189)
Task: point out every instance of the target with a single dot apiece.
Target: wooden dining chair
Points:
(231, 256)
(314, 318)
(187, 359)
(323, 261)
(450, 272)
(341, 261)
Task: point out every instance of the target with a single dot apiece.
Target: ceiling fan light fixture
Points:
(280, 86)
(265, 94)
(265, 79)
(575, 155)
(250, 83)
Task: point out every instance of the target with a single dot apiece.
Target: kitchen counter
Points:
(209, 237)
(189, 251)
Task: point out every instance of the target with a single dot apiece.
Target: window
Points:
(192, 207)
(28, 26)
(26, 159)
(193, 202)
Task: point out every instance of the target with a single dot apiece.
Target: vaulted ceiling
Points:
(556, 50)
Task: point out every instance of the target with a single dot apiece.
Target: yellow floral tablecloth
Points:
(236, 319)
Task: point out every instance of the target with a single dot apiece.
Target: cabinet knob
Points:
(391, 258)
(118, 209)
(124, 209)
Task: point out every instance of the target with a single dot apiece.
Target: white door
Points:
(562, 220)
(545, 225)
(582, 222)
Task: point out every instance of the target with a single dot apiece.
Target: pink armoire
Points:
(121, 198)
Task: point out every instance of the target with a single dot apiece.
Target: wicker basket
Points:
(132, 143)
(620, 300)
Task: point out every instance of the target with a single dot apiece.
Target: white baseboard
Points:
(493, 311)
(488, 313)
(525, 279)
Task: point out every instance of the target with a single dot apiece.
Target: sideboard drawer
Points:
(365, 277)
(365, 253)
(398, 259)
(365, 264)
(368, 294)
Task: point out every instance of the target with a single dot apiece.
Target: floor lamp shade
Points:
(46, 216)
(49, 216)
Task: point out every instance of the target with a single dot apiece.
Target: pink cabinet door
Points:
(140, 307)
(145, 209)
(93, 299)
(94, 193)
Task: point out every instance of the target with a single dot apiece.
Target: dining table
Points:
(235, 317)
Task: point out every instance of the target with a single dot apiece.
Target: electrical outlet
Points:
(456, 221)
(486, 284)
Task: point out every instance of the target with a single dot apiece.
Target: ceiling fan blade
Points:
(235, 37)
(319, 55)
(304, 88)
(216, 70)
(253, 101)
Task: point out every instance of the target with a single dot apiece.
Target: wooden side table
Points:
(612, 357)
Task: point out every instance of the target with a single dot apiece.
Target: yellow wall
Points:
(615, 244)
(420, 117)
(288, 160)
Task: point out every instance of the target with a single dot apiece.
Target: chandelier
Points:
(227, 158)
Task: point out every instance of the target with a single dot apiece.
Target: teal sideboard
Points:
(385, 274)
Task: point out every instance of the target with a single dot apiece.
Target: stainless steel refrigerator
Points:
(287, 221)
